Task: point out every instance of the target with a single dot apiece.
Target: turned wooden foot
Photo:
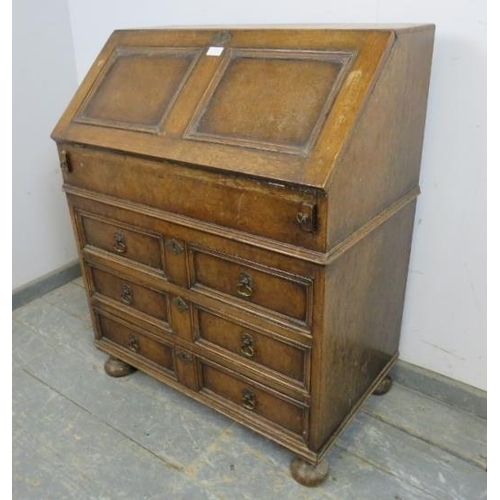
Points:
(308, 474)
(384, 386)
(116, 368)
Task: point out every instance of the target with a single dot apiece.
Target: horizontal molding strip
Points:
(319, 258)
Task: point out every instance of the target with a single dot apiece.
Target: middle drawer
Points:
(260, 348)
(120, 289)
(139, 298)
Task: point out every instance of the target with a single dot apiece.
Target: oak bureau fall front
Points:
(243, 203)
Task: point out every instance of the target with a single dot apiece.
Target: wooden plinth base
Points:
(116, 368)
(308, 474)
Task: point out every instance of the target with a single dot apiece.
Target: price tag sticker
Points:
(215, 51)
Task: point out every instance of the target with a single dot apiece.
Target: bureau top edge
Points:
(291, 26)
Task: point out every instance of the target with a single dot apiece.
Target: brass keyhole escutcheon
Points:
(126, 294)
(245, 285)
(120, 245)
(175, 246)
(133, 343)
(247, 345)
(221, 38)
(181, 304)
(249, 399)
(185, 357)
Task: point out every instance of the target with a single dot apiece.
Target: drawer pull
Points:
(245, 284)
(249, 400)
(247, 345)
(133, 343)
(181, 304)
(120, 243)
(126, 294)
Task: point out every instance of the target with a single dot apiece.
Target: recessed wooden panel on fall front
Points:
(247, 104)
(138, 87)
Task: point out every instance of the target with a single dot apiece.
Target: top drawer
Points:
(263, 209)
(282, 294)
(129, 242)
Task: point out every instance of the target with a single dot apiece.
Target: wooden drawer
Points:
(246, 343)
(120, 289)
(285, 294)
(244, 394)
(265, 209)
(136, 244)
(135, 342)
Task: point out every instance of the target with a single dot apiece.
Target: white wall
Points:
(43, 81)
(444, 326)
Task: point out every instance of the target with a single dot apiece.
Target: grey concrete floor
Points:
(80, 434)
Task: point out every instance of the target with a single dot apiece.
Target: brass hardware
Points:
(221, 38)
(307, 217)
(181, 304)
(120, 245)
(126, 294)
(249, 400)
(65, 161)
(175, 246)
(247, 345)
(245, 285)
(133, 343)
(185, 357)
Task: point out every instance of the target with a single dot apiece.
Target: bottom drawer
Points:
(137, 343)
(253, 399)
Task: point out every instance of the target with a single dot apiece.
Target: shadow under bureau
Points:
(243, 202)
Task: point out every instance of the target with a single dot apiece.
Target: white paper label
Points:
(214, 51)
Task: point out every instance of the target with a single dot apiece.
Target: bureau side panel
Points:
(381, 160)
(364, 297)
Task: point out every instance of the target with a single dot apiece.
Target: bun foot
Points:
(116, 368)
(384, 386)
(308, 474)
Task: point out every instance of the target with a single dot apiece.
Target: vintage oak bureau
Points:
(243, 202)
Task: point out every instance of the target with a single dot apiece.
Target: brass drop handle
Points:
(133, 343)
(249, 400)
(126, 294)
(247, 345)
(120, 245)
(245, 285)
